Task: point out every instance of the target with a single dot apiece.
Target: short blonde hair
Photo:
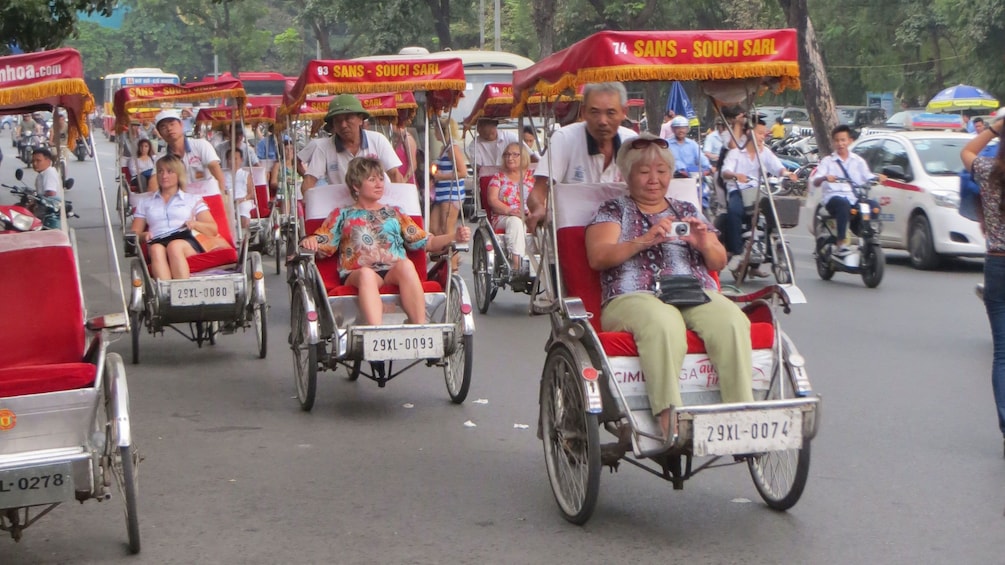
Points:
(524, 154)
(174, 163)
(629, 155)
(360, 169)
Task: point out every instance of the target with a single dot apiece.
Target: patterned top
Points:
(369, 238)
(509, 194)
(640, 273)
(994, 226)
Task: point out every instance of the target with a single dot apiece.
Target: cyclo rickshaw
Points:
(226, 291)
(64, 403)
(264, 229)
(324, 330)
(592, 378)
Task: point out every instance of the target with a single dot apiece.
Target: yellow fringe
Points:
(28, 94)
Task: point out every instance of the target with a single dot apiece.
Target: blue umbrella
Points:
(679, 103)
(961, 97)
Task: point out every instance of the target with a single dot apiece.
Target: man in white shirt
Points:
(838, 197)
(490, 143)
(326, 159)
(713, 142)
(666, 130)
(198, 155)
(47, 183)
(583, 152)
(742, 172)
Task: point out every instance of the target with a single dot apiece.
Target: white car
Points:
(920, 200)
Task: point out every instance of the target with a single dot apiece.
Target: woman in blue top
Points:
(448, 180)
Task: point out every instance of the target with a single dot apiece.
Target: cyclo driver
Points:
(197, 155)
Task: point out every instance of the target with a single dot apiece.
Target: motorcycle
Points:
(869, 260)
(28, 143)
(761, 232)
(82, 149)
(48, 209)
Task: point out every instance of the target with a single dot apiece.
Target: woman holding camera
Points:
(646, 238)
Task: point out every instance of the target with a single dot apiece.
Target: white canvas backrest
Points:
(322, 199)
(577, 203)
(259, 175)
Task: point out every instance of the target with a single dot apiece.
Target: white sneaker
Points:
(842, 251)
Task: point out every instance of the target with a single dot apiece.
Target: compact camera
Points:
(680, 229)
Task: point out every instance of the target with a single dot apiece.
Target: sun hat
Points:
(345, 104)
(167, 115)
(679, 122)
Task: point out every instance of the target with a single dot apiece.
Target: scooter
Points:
(761, 236)
(46, 208)
(869, 260)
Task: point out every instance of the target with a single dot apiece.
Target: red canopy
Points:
(496, 102)
(163, 94)
(443, 79)
(44, 80)
(664, 55)
(227, 114)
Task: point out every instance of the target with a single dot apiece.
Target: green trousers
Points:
(659, 331)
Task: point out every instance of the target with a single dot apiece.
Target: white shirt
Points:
(48, 183)
(490, 152)
(858, 172)
(326, 162)
(199, 154)
(739, 161)
(568, 158)
(164, 217)
(713, 145)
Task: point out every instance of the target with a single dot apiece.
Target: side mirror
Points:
(895, 172)
(19, 174)
(67, 184)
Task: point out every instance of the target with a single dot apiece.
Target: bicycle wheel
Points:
(305, 355)
(126, 473)
(136, 325)
(457, 369)
(482, 274)
(780, 476)
(354, 371)
(261, 329)
(571, 438)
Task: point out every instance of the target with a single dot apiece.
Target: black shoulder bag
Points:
(677, 290)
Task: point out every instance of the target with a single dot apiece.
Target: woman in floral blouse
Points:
(507, 203)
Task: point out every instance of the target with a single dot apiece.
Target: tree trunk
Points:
(813, 75)
(655, 106)
(543, 15)
(441, 21)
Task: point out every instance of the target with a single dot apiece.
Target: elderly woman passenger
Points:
(631, 243)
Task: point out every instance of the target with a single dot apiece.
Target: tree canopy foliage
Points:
(911, 47)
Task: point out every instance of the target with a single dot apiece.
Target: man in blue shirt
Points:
(688, 157)
(266, 148)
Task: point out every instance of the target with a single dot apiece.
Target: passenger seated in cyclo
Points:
(632, 242)
(742, 172)
(838, 197)
(507, 200)
(370, 239)
(239, 185)
(166, 220)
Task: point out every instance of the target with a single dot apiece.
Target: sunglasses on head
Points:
(640, 143)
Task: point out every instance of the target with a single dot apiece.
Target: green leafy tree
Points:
(290, 45)
(44, 24)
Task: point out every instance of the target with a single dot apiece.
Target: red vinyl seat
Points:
(582, 281)
(41, 289)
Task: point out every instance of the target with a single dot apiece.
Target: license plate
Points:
(43, 484)
(197, 292)
(388, 345)
(749, 431)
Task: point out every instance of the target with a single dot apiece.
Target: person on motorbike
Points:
(742, 172)
(838, 197)
(47, 183)
(714, 141)
(687, 155)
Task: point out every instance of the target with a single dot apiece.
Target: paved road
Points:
(907, 468)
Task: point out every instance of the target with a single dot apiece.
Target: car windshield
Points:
(940, 156)
(846, 116)
(901, 118)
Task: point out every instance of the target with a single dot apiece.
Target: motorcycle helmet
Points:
(680, 122)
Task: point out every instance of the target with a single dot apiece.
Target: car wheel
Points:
(920, 244)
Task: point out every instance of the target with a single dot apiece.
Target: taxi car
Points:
(921, 198)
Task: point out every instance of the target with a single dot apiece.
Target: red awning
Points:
(227, 114)
(44, 80)
(664, 55)
(163, 94)
(442, 79)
